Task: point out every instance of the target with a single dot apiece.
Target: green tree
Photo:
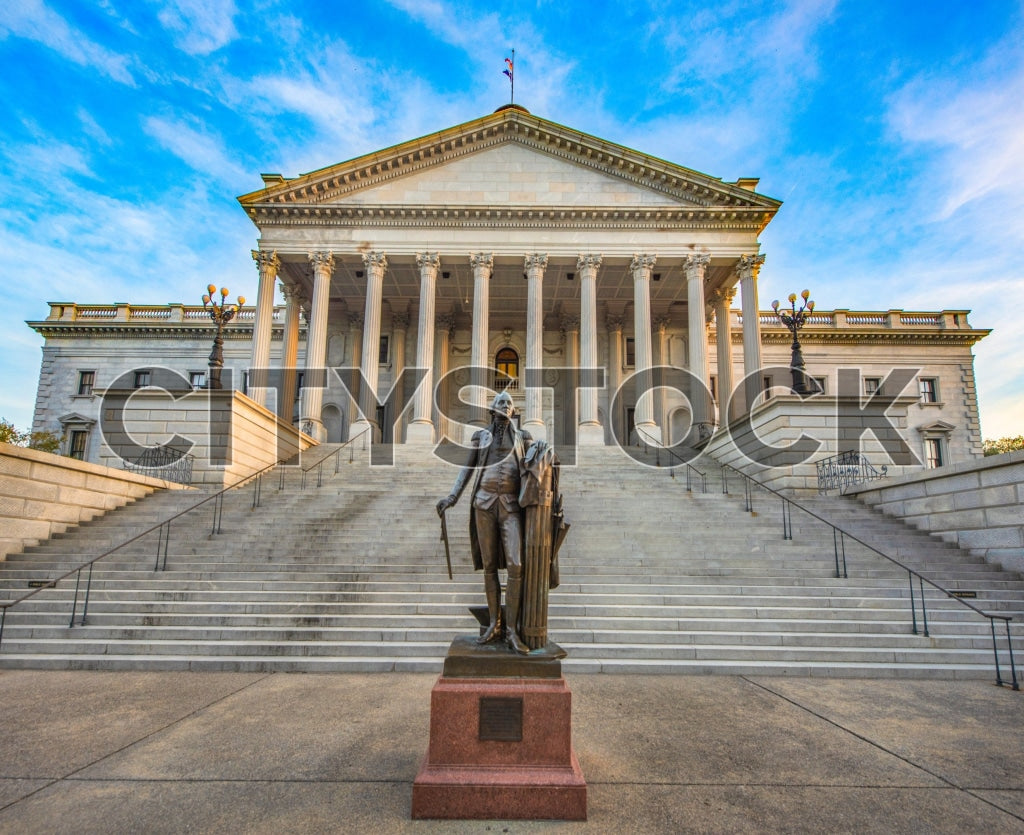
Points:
(1000, 445)
(43, 441)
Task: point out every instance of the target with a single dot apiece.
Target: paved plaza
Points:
(208, 752)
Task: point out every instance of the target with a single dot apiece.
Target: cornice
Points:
(888, 337)
(526, 217)
(148, 330)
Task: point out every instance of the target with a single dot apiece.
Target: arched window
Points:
(506, 369)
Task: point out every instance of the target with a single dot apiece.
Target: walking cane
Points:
(447, 549)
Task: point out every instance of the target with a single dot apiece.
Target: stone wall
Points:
(229, 436)
(979, 505)
(43, 494)
(768, 445)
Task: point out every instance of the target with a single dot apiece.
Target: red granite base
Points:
(534, 778)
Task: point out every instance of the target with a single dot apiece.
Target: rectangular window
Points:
(871, 385)
(929, 387)
(86, 380)
(933, 452)
(630, 352)
(298, 382)
(766, 383)
(76, 449)
(382, 359)
(142, 379)
(197, 379)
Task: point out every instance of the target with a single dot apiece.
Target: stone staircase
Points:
(350, 577)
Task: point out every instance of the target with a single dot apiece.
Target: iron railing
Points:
(692, 473)
(839, 540)
(335, 454)
(163, 462)
(163, 538)
(851, 467)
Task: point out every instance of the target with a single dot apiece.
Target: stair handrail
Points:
(336, 455)
(846, 468)
(839, 536)
(163, 542)
(690, 469)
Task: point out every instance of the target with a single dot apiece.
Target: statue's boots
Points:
(513, 599)
(492, 588)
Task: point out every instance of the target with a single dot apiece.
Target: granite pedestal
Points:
(500, 739)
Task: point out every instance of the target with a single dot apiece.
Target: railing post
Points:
(167, 544)
(337, 460)
(913, 607)
(320, 474)
(1009, 646)
(995, 649)
(3, 620)
(74, 600)
(689, 479)
(787, 520)
(88, 589)
(924, 606)
(748, 494)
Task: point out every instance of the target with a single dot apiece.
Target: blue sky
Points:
(893, 131)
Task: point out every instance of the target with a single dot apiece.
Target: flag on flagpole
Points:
(508, 69)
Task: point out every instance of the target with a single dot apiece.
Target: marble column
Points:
(421, 430)
(748, 268)
(695, 266)
(570, 326)
(723, 344)
(316, 346)
(535, 264)
(376, 264)
(355, 339)
(445, 324)
(290, 353)
(614, 325)
(661, 324)
(589, 431)
(399, 331)
(263, 325)
(641, 267)
(483, 266)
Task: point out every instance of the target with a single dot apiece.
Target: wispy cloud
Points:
(200, 27)
(33, 20)
(202, 150)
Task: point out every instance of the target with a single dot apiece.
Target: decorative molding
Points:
(266, 261)
(695, 265)
(355, 321)
(445, 322)
(536, 262)
(588, 262)
(322, 261)
(428, 259)
(375, 261)
(400, 322)
(641, 266)
(749, 265)
(615, 324)
(482, 261)
(569, 323)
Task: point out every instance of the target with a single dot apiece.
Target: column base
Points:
(590, 434)
(420, 433)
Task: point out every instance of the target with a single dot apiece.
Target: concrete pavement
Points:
(236, 752)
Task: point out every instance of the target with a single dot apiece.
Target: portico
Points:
(509, 234)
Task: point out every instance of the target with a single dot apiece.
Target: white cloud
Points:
(202, 151)
(33, 20)
(200, 26)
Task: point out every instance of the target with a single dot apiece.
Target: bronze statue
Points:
(512, 472)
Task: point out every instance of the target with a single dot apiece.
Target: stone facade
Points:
(511, 242)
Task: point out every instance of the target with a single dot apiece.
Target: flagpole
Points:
(512, 78)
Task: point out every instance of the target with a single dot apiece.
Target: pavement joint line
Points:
(127, 745)
(880, 747)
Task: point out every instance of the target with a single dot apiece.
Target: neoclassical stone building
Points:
(511, 243)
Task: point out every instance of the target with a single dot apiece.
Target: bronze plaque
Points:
(969, 595)
(501, 719)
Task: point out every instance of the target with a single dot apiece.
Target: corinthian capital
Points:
(445, 322)
(641, 265)
(481, 261)
(375, 261)
(536, 261)
(695, 265)
(614, 323)
(322, 261)
(661, 323)
(400, 322)
(749, 265)
(355, 321)
(428, 259)
(588, 262)
(266, 261)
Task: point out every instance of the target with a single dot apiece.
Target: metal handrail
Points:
(336, 455)
(690, 469)
(846, 468)
(163, 541)
(839, 537)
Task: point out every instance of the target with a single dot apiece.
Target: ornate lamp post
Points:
(794, 320)
(221, 314)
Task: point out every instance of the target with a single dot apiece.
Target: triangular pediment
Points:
(513, 159)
